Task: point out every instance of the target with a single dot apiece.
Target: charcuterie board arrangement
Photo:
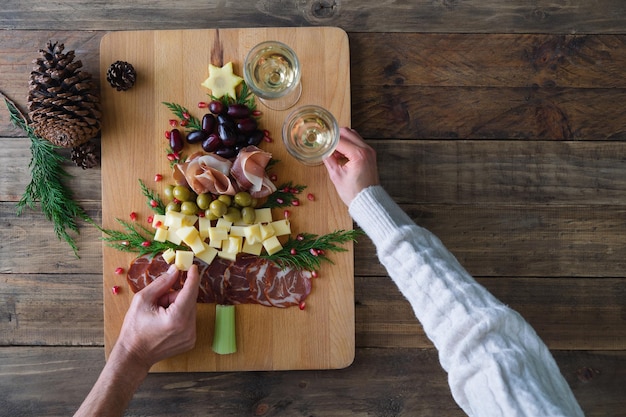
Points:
(277, 206)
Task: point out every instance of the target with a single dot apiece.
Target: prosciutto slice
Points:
(206, 173)
(247, 280)
(249, 171)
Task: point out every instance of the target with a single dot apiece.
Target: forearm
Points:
(494, 359)
(112, 392)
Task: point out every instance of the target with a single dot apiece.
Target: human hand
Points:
(352, 167)
(161, 323)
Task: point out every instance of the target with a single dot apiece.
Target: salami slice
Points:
(247, 280)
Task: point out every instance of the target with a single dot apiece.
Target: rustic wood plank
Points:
(399, 382)
(29, 245)
(521, 16)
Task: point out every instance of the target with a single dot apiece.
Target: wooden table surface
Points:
(500, 126)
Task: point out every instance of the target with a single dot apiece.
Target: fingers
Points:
(188, 295)
(161, 285)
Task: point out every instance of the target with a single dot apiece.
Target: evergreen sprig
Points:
(152, 199)
(46, 187)
(307, 251)
(284, 196)
(190, 121)
(135, 238)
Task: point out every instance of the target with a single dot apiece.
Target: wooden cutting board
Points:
(170, 67)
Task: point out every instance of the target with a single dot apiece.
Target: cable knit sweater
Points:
(496, 363)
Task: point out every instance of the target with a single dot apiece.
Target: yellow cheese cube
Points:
(183, 260)
(223, 224)
(189, 220)
(217, 234)
(252, 248)
(217, 244)
(252, 234)
(161, 234)
(203, 227)
(267, 231)
(281, 227)
(272, 245)
(158, 221)
(208, 254)
(263, 215)
(237, 231)
(173, 237)
(188, 234)
(231, 256)
(169, 255)
(174, 219)
(196, 245)
(233, 244)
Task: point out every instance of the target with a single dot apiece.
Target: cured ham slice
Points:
(249, 171)
(206, 173)
(247, 280)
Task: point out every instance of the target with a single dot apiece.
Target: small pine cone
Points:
(63, 101)
(86, 155)
(121, 75)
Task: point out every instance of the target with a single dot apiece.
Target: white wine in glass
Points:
(310, 134)
(272, 71)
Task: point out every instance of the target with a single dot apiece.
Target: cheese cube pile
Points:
(207, 239)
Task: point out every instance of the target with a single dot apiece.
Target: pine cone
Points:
(63, 101)
(121, 75)
(86, 155)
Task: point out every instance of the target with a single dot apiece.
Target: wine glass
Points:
(310, 134)
(272, 71)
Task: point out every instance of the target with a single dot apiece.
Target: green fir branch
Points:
(46, 187)
(152, 199)
(135, 238)
(189, 123)
(284, 196)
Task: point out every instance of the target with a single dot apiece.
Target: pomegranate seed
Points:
(285, 190)
(313, 252)
(310, 197)
(124, 243)
(268, 139)
(150, 219)
(186, 116)
(154, 203)
(168, 134)
(273, 177)
(266, 133)
(321, 252)
(184, 123)
(171, 157)
(158, 224)
(201, 213)
(203, 105)
(300, 237)
(145, 243)
(173, 122)
(133, 216)
(257, 113)
(314, 274)
(119, 270)
(295, 202)
(294, 191)
(302, 305)
(280, 200)
(158, 177)
(286, 214)
(292, 251)
(176, 201)
(115, 290)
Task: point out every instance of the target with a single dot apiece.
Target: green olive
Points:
(226, 199)
(232, 215)
(188, 207)
(168, 192)
(248, 214)
(182, 193)
(255, 202)
(172, 206)
(209, 215)
(244, 199)
(218, 208)
(203, 201)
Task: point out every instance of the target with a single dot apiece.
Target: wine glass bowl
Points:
(272, 72)
(310, 134)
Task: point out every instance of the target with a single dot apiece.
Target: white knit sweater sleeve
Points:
(496, 363)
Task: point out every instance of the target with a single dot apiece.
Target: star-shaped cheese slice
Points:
(222, 81)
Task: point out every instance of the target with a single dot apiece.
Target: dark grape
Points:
(226, 152)
(176, 140)
(208, 123)
(227, 135)
(224, 119)
(216, 107)
(211, 143)
(197, 136)
(238, 111)
(256, 137)
(246, 125)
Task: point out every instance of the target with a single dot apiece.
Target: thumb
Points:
(162, 284)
